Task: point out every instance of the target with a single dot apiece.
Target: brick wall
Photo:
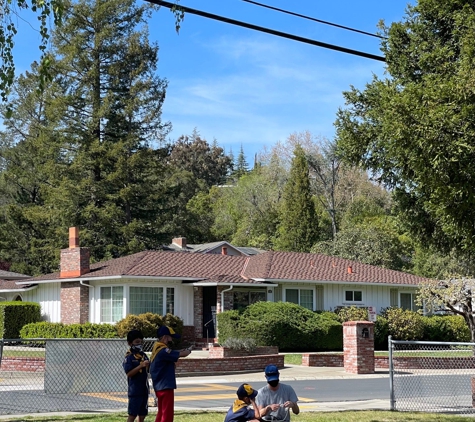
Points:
(23, 364)
(333, 360)
(224, 352)
(226, 365)
(184, 365)
(188, 333)
(228, 299)
(74, 303)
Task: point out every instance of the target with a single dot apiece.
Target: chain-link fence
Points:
(52, 375)
(432, 376)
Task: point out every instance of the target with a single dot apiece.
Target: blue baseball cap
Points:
(167, 331)
(272, 373)
(245, 390)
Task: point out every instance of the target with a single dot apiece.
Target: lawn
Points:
(347, 416)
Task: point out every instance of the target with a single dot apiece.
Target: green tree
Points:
(93, 162)
(298, 227)
(240, 166)
(414, 129)
(44, 10)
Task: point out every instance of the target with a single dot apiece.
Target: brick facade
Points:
(74, 262)
(74, 303)
(228, 299)
(358, 347)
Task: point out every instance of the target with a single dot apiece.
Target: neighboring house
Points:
(9, 290)
(194, 286)
(224, 248)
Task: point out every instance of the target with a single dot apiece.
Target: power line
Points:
(178, 8)
(314, 19)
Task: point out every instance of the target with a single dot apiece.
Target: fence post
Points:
(391, 374)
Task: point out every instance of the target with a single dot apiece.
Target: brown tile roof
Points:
(268, 266)
(10, 285)
(9, 275)
(162, 264)
(318, 267)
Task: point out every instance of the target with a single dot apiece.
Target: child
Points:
(136, 365)
(239, 411)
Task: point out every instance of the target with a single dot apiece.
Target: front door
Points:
(209, 312)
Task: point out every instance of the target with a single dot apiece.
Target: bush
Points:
(148, 323)
(247, 344)
(14, 315)
(352, 313)
(381, 333)
(446, 328)
(288, 326)
(60, 330)
(404, 324)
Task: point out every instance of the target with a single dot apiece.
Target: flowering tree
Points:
(454, 295)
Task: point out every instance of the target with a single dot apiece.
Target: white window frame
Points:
(359, 302)
(111, 286)
(314, 296)
(126, 298)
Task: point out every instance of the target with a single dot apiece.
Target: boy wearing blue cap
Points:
(275, 399)
(162, 371)
(136, 365)
(240, 411)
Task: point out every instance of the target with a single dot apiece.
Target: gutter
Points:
(113, 277)
(19, 290)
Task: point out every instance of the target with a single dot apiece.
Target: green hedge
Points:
(14, 315)
(60, 330)
(286, 325)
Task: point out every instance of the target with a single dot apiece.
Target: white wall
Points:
(48, 296)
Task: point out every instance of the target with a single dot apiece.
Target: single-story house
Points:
(195, 286)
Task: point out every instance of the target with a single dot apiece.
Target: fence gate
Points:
(53, 375)
(429, 376)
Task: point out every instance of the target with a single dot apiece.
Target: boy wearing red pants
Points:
(162, 371)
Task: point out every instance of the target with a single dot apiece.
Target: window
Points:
(302, 297)
(112, 303)
(242, 300)
(158, 300)
(406, 301)
(353, 296)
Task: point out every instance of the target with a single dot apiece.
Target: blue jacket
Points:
(138, 384)
(162, 367)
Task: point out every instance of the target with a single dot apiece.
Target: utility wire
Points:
(314, 19)
(179, 8)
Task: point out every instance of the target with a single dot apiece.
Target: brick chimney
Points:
(350, 269)
(74, 260)
(224, 250)
(180, 241)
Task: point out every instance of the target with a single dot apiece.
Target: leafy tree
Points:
(44, 10)
(414, 129)
(205, 162)
(454, 295)
(298, 227)
(372, 244)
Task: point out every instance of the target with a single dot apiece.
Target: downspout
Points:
(92, 309)
(222, 308)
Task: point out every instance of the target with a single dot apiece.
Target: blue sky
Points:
(248, 88)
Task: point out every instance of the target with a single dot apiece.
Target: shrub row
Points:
(147, 323)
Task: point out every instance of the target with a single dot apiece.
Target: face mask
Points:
(273, 383)
(137, 348)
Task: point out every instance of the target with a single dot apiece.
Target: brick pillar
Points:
(74, 303)
(228, 299)
(358, 347)
(74, 261)
(198, 311)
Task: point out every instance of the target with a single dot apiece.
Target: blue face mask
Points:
(137, 348)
